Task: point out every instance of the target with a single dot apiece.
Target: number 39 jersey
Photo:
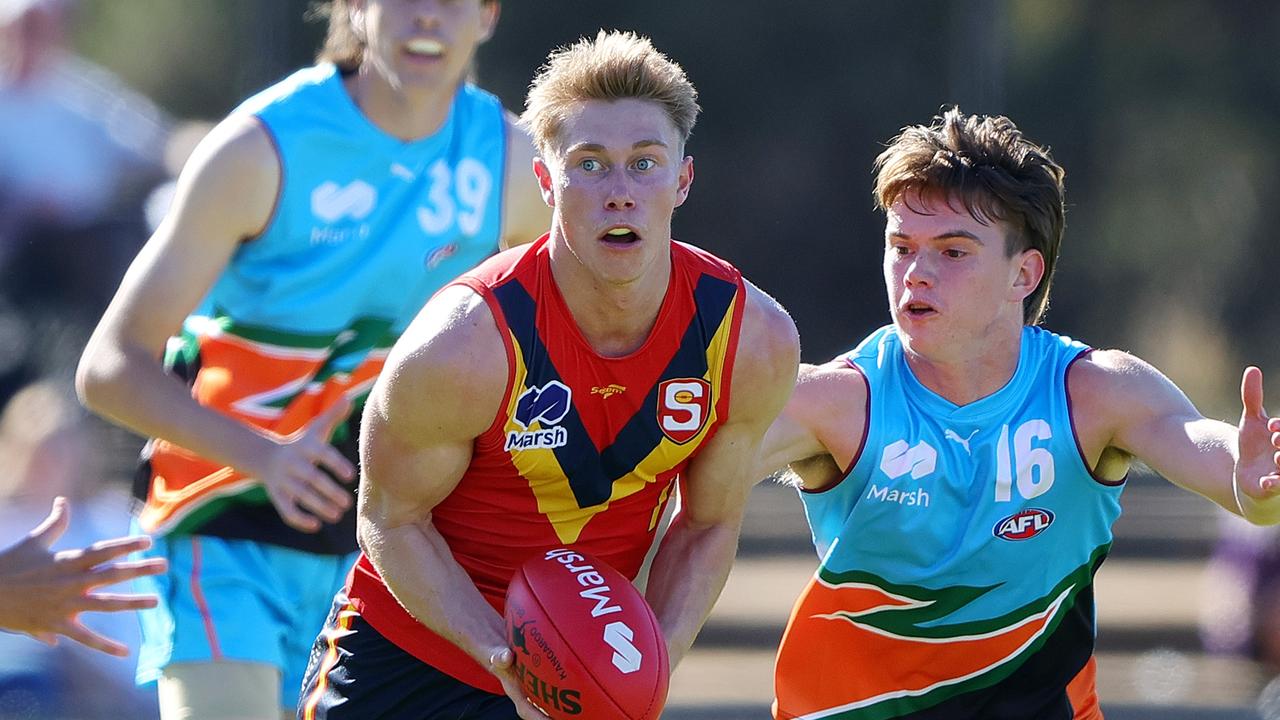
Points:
(365, 228)
(585, 450)
(957, 555)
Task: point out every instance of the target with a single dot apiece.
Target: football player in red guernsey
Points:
(558, 395)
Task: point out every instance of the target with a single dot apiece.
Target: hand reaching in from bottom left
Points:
(42, 593)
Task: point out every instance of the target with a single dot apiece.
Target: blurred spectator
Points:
(78, 151)
(1240, 612)
(49, 451)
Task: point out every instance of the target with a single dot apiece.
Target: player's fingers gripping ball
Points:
(586, 643)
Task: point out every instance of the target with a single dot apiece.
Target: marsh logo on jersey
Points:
(899, 458)
(331, 203)
(547, 406)
(683, 406)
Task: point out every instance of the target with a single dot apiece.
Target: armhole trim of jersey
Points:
(731, 359)
(862, 443)
(1084, 461)
(275, 203)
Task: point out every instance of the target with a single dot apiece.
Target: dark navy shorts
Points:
(357, 674)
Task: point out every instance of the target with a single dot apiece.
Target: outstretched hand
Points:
(1257, 471)
(502, 664)
(45, 592)
(295, 478)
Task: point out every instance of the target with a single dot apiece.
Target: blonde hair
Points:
(614, 66)
(984, 163)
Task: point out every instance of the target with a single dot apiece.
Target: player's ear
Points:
(684, 180)
(1030, 271)
(545, 181)
(490, 10)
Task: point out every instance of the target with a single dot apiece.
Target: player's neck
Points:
(614, 319)
(407, 116)
(963, 378)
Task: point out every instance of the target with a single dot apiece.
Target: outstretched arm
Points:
(45, 592)
(693, 562)
(1126, 404)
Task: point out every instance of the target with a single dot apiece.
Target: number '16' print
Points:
(1034, 464)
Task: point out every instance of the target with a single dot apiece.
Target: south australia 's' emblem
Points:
(683, 407)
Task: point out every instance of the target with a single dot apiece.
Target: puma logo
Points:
(964, 442)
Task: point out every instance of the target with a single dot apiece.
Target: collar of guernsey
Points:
(585, 451)
(961, 541)
(365, 229)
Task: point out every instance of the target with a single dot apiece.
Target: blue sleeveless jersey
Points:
(365, 229)
(957, 555)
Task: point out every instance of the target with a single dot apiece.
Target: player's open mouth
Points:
(424, 48)
(619, 236)
(919, 310)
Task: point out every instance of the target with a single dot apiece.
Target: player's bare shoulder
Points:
(447, 374)
(232, 181)
(768, 350)
(1117, 397)
(1111, 383)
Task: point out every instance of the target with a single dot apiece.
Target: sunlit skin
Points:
(613, 180)
(955, 295)
(417, 53)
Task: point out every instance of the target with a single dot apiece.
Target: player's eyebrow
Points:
(945, 235)
(597, 147)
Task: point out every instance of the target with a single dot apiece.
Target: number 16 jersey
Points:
(958, 554)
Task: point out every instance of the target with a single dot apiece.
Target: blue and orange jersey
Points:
(957, 554)
(585, 450)
(365, 228)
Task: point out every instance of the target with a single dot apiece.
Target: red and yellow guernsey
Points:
(585, 450)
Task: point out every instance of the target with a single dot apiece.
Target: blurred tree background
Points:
(1164, 114)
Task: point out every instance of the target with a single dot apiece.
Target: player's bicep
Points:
(1154, 421)
(439, 391)
(404, 478)
(825, 411)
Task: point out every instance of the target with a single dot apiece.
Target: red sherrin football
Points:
(587, 646)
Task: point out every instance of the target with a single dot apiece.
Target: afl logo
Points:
(683, 406)
(440, 254)
(1023, 525)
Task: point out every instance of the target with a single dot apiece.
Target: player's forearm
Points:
(1204, 460)
(132, 389)
(688, 573)
(420, 571)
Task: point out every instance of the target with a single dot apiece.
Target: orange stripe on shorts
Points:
(332, 633)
